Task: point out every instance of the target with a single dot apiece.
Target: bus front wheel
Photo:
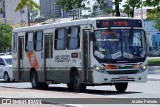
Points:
(121, 87)
(77, 85)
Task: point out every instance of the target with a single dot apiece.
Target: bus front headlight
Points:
(144, 67)
(98, 68)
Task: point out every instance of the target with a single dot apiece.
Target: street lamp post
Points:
(54, 12)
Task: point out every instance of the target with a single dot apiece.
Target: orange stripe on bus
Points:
(111, 67)
(32, 59)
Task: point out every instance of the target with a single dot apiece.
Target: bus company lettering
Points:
(62, 58)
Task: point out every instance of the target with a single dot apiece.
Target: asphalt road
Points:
(151, 89)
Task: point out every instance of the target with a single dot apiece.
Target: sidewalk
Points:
(153, 69)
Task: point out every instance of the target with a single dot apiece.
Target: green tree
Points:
(33, 14)
(6, 37)
(130, 6)
(117, 10)
(154, 13)
(30, 4)
(70, 5)
(102, 5)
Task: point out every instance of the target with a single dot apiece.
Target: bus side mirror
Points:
(92, 36)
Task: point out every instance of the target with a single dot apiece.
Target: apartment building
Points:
(8, 14)
(48, 9)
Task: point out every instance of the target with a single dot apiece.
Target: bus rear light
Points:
(74, 55)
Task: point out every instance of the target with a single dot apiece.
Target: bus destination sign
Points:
(119, 23)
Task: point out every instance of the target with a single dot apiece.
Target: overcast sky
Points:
(37, 1)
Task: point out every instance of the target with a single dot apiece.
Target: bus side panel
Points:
(75, 62)
(39, 55)
(60, 73)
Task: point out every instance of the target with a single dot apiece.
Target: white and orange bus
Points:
(80, 53)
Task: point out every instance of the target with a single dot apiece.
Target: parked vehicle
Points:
(1, 54)
(6, 68)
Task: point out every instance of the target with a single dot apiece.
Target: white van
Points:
(6, 68)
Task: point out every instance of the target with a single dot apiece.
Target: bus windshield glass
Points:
(120, 45)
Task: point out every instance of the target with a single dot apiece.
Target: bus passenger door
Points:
(20, 55)
(86, 56)
(48, 55)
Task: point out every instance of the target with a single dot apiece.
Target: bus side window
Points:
(73, 38)
(60, 39)
(14, 43)
(29, 41)
(38, 41)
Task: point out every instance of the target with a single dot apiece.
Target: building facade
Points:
(8, 14)
(48, 9)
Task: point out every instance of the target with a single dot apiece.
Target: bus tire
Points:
(77, 85)
(121, 87)
(6, 77)
(43, 85)
(34, 80)
(70, 86)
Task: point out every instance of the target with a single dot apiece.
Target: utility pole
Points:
(53, 11)
(141, 11)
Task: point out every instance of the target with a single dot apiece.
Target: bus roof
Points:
(67, 23)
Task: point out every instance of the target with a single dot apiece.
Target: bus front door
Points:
(20, 56)
(86, 56)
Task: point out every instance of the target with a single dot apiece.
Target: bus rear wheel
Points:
(77, 85)
(34, 80)
(121, 87)
(35, 83)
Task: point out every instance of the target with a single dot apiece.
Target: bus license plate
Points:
(123, 78)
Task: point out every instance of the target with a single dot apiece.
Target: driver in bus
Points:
(126, 42)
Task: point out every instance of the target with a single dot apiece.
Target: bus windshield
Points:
(120, 45)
